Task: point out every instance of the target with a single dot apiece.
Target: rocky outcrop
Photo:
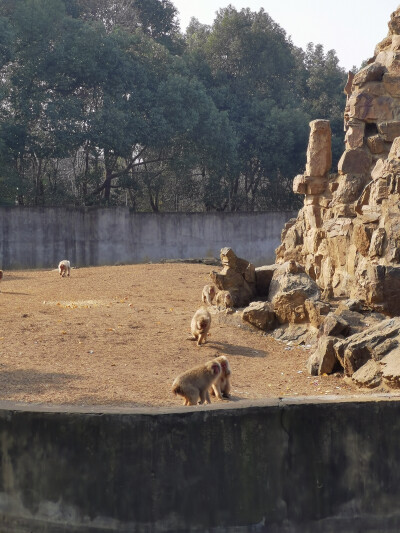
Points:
(347, 235)
(237, 276)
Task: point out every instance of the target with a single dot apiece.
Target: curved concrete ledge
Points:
(293, 465)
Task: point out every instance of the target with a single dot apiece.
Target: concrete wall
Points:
(282, 466)
(41, 237)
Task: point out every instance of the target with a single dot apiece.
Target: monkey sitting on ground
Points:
(208, 294)
(222, 386)
(64, 268)
(224, 300)
(200, 325)
(195, 383)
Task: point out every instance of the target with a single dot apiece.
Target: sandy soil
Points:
(118, 336)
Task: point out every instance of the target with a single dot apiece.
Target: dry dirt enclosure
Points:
(120, 335)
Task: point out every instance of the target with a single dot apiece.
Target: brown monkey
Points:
(224, 300)
(64, 268)
(195, 383)
(292, 267)
(200, 325)
(222, 386)
(208, 294)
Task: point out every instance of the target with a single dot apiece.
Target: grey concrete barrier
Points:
(33, 237)
(281, 466)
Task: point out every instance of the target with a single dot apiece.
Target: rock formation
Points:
(347, 235)
(237, 276)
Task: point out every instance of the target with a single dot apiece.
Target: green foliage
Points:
(105, 102)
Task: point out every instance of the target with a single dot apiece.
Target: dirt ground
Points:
(118, 336)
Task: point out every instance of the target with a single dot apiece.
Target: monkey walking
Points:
(200, 325)
(222, 386)
(195, 383)
(208, 294)
(64, 268)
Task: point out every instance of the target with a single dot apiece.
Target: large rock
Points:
(288, 293)
(373, 343)
(347, 235)
(261, 315)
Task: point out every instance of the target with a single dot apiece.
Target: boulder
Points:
(368, 376)
(261, 315)
(288, 293)
(357, 349)
(323, 360)
(334, 326)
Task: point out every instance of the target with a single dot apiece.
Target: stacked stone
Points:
(347, 235)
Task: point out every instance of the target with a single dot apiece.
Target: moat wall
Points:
(279, 466)
(40, 237)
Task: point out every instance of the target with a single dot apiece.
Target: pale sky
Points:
(351, 27)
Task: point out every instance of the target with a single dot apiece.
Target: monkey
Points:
(224, 300)
(195, 383)
(222, 386)
(208, 294)
(292, 267)
(200, 325)
(64, 268)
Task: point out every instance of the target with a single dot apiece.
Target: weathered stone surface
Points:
(237, 276)
(369, 375)
(261, 315)
(347, 235)
(325, 356)
(300, 184)
(355, 134)
(334, 326)
(288, 293)
(389, 130)
(376, 144)
(354, 162)
(356, 350)
(316, 311)
(392, 84)
(373, 72)
(391, 369)
(367, 107)
(377, 242)
(319, 151)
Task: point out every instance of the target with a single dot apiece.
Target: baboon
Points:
(64, 268)
(224, 300)
(222, 386)
(208, 294)
(195, 383)
(200, 325)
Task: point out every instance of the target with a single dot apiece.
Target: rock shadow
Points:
(234, 349)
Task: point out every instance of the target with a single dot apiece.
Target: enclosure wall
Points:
(282, 466)
(41, 237)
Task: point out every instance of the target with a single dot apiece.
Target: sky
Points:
(350, 27)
